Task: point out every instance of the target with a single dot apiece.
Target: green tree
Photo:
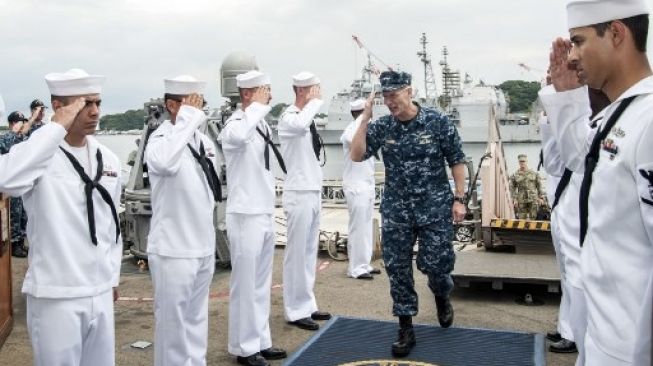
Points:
(521, 94)
(278, 109)
(130, 120)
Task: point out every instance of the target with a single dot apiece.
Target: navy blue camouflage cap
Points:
(393, 80)
(16, 117)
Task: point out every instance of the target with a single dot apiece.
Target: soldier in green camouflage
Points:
(526, 190)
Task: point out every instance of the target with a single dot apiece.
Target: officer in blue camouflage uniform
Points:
(38, 111)
(418, 206)
(18, 127)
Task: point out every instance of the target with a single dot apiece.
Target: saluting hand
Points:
(367, 112)
(65, 115)
(194, 100)
(563, 73)
(262, 95)
(315, 92)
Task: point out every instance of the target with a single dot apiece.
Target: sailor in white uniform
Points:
(608, 51)
(554, 168)
(181, 242)
(358, 185)
(301, 147)
(70, 185)
(248, 148)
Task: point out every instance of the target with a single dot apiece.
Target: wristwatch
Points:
(460, 199)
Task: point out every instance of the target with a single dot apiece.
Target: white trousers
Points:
(251, 240)
(564, 327)
(578, 320)
(181, 309)
(72, 332)
(594, 356)
(302, 209)
(360, 244)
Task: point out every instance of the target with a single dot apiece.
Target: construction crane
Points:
(370, 68)
(430, 90)
(537, 73)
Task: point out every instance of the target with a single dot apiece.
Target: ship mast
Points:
(450, 80)
(430, 90)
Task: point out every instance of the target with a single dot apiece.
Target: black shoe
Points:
(305, 323)
(365, 276)
(253, 360)
(18, 250)
(563, 346)
(273, 353)
(375, 271)
(320, 315)
(405, 342)
(554, 336)
(445, 311)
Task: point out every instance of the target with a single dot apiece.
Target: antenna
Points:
(430, 90)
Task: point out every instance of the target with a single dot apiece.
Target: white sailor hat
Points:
(252, 79)
(582, 13)
(74, 82)
(305, 78)
(357, 105)
(183, 85)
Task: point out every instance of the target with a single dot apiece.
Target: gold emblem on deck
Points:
(387, 363)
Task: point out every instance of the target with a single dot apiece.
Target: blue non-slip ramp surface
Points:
(347, 341)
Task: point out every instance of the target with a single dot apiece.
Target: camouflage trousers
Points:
(18, 220)
(435, 258)
(527, 210)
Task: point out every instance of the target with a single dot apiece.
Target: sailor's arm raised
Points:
(164, 149)
(27, 161)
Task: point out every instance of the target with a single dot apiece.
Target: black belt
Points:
(209, 171)
(592, 159)
(89, 185)
(266, 153)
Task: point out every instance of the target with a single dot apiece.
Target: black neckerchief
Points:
(89, 185)
(266, 153)
(209, 171)
(592, 159)
(318, 144)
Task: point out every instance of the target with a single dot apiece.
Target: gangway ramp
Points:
(526, 264)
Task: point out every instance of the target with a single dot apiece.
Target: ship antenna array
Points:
(450, 79)
(430, 90)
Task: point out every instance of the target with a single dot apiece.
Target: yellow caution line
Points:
(529, 225)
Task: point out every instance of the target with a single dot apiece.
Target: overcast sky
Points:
(136, 43)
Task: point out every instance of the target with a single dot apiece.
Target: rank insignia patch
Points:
(609, 146)
(618, 132)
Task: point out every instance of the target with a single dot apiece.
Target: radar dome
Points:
(235, 63)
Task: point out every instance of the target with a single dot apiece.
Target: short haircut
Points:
(176, 97)
(65, 100)
(638, 26)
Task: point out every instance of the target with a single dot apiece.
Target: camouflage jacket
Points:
(525, 186)
(9, 139)
(34, 127)
(415, 155)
